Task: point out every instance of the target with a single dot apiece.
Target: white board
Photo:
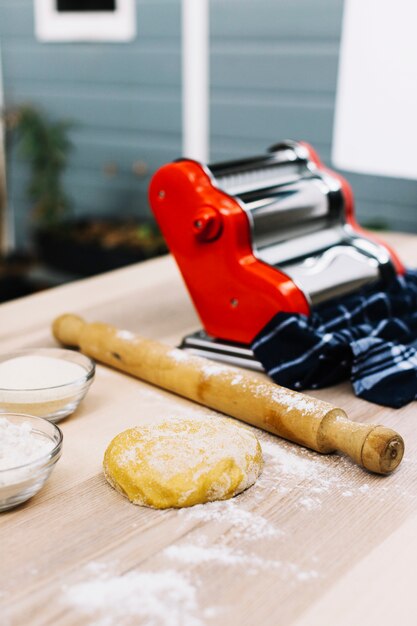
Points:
(375, 128)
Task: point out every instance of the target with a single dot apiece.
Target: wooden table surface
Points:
(316, 541)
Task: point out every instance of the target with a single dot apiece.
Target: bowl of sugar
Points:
(29, 449)
(45, 382)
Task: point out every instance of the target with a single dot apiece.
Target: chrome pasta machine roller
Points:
(261, 235)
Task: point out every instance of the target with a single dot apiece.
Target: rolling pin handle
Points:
(376, 448)
(67, 329)
(382, 450)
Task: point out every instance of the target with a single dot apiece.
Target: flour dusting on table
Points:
(238, 537)
(225, 556)
(193, 554)
(246, 524)
(164, 598)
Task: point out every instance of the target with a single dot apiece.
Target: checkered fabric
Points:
(369, 337)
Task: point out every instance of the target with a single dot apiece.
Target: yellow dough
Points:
(179, 463)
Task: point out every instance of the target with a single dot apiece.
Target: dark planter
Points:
(89, 246)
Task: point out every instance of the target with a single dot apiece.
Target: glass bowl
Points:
(53, 403)
(18, 484)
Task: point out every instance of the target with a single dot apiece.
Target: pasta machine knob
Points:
(207, 224)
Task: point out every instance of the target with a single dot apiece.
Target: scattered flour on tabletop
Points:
(297, 468)
(246, 525)
(167, 597)
(309, 503)
(163, 598)
(195, 554)
(157, 400)
(288, 461)
(311, 478)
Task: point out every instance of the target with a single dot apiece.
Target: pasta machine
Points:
(260, 235)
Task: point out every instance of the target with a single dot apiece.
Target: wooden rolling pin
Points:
(291, 415)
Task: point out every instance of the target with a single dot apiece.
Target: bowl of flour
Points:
(29, 449)
(45, 382)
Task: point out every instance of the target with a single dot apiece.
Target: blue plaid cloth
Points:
(369, 337)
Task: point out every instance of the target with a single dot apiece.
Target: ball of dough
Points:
(179, 463)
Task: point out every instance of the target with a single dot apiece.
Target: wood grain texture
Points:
(338, 543)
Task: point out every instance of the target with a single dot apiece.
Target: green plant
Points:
(46, 147)
(377, 223)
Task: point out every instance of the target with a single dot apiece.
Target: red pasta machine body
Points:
(257, 236)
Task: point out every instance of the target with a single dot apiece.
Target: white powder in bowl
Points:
(41, 385)
(38, 372)
(19, 445)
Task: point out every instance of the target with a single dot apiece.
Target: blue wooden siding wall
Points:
(273, 76)
(274, 73)
(124, 99)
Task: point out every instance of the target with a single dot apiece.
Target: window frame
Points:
(52, 25)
